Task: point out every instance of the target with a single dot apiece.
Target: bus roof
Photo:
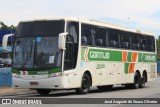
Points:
(98, 23)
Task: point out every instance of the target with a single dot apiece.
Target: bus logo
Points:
(101, 55)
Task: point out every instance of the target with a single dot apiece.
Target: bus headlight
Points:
(54, 74)
(15, 75)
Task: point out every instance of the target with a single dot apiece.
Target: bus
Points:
(6, 52)
(76, 53)
(5, 58)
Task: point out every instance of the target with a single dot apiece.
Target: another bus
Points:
(75, 53)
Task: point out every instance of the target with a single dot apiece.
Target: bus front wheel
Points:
(43, 91)
(85, 85)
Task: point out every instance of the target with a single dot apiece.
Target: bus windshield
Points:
(36, 47)
(36, 52)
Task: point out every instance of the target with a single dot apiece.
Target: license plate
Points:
(33, 83)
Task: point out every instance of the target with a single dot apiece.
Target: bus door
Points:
(69, 53)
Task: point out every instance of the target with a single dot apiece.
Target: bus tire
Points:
(142, 81)
(136, 83)
(85, 85)
(43, 91)
(105, 87)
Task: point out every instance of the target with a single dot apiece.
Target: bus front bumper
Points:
(47, 83)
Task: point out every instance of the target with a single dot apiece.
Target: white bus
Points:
(74, 53)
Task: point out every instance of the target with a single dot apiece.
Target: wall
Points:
(5, 77)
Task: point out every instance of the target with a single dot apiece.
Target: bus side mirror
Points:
(5, 40)
(62, 41)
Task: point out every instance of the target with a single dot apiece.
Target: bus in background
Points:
(4, 32)
(5, 58)
(75, 53)
(5, 54)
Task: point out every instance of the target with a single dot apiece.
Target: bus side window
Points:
(135, 41)
(99, 42)
(88, 35)
(136, 46)
(84, 40)
(100, 37)
(125, 40)
(144, 43)
(112, 43)
(151, 43)
(125, 45)
(114, 40)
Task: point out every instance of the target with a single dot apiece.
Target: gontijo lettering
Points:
(104, 55)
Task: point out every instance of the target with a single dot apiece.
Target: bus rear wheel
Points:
(43, 91)
(85, 85)
(142, 81)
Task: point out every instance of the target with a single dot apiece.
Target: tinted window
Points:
(151, 43)
(40, 28)
(101, 37)
(107, 37)
(135, 41)
(144, 43)
(125, 40)
(73, 29)
(114, 38)
(88, 35)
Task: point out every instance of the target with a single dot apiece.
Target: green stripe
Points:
(98, 55)
(82, 53)
(116, 55)
(112, 55)
(129, 57)
(38, 72)
(126, 65)
(149, 57)
(104, 55)
(140, 57)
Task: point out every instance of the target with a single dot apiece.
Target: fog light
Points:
(54, 74)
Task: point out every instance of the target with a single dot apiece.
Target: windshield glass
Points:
(36, 52)
(23, 53)
(47, 54)
(36, 44)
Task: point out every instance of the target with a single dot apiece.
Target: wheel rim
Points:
(143, 80)
(85, 84)
(137, 81)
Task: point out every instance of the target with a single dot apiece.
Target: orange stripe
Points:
(134, 56)
(131, 67)
(124, 56)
